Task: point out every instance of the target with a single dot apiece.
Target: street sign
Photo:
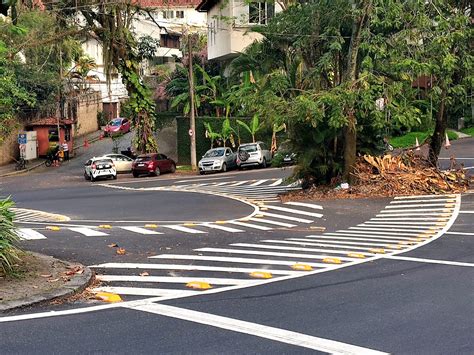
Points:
(22, 138)
(190, 132)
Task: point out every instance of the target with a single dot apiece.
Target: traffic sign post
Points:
(22, 138)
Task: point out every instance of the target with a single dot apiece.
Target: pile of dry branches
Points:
(405, 174)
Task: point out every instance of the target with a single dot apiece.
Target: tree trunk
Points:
(436, 140)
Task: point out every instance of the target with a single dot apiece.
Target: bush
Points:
(277, 161)
(409, 140)
(8, 237)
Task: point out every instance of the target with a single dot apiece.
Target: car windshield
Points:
(103, 161)
(249, 148)
(144, 158)
(115, 123)
(214, 153)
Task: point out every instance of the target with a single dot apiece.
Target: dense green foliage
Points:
(409, 140)
(8, 237)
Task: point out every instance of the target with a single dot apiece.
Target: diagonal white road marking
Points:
(259, 182)
(88, 232)
(171, 279)
(254, 329)
(29, 234)
(430, 261)
(303, 204)
(293, 211)
(221, 227)
(276, 183)
(183, 229)
(274, 215)
(140, 230)
(287, 248)
(250, 225)
(281, 224)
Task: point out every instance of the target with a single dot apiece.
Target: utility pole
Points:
(192, 120)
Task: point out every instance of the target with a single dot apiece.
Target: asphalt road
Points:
(414, 297)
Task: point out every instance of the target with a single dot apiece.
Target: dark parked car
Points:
(153, 164)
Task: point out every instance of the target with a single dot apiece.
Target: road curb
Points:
(19, 172)
(76, 284)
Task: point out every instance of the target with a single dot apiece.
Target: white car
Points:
(99, 168)
(123, 164)
(252, 154)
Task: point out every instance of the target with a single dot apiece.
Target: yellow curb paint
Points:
(108, 297)
(220, 222)
(198, 285)
(261, 275)
(105, 226)
(356, 255)
(301, 267)
(332, 260)
(151, 226)
(377, 251)
(53, 228)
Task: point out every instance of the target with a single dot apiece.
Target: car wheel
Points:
(264, 163)
(157, 171)
(224, 167)
(201, 172)
(135, 174)
(173, 168)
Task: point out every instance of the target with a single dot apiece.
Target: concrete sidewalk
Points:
(9, 169)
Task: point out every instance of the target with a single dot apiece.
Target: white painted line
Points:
(259, 182)
(459, 233)
(239, 183)
(137, 291)
(183, 229)
(303, 204)
(171, 279)
(344, 243)
(249, 225)
(277, 247)
(140, 230)
(261, 252)
(466, 211)
(29, 234)
(221, 227)
(411, 224)
(253, 329)
(400, 226)
(417, 210)
(411, 214)
(443, 204)
(430, 261)
(324, 245)
(424, 196)
(276, 183)
(409, 219)
(281, 224)
(382, 231)
(370, 238)
(274, 215)
(88, 232)
(187, 267)
(290, 210)
(233, 260)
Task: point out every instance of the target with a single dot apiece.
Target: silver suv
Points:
(252, 154)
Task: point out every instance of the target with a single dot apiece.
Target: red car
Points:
(153, 164)
(117, 126)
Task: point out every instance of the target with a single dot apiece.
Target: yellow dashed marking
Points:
(105, 226)
(393, 246)
(108, 297)
(151, 226)
(53, 228)
(198, 285)
(356, 255)
(189, 224)
(321, 229)
(220, 222)
(259, 215)
(332, 260)
(261, 275)
(377, 251)
(302, 267)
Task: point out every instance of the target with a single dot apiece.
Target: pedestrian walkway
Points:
(399, 227)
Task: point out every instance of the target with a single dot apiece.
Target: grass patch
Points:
(469, 131)
(184, 168)
(409, 139)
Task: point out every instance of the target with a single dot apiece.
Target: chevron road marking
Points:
(364, 230)
(324, 245)
(249, 225)
(430, 261)
(221, 227)
(259, 182)
(459, 233)
(391, 231)
(187, 267)
(281, 224)
(232, 260)
(170, 279)
(276, 183)
(290, 210)
(372, 238)
(302, 204)
(289, 218)
(183, 229)
(258, 252)
(137, 291)
(335, 242)
(286, 248)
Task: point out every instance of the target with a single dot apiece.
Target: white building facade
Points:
(228, 23)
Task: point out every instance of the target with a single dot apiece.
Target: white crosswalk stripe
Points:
(376, 238)
(29, 234)
(170, 279)
(303, 204)
(259, 182)
(289, 218)
(251, 226)
(88, 232)
(281, 224)
(276, 183)
(140, 230)
(137, 291)
(293, 211)
(183, 229)
(320, 241)
(221, 227)
(277, 247)
(325, 245)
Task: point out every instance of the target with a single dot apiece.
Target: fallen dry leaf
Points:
(144, 273)
(113, 245)
(47, 275)
(121, 251)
